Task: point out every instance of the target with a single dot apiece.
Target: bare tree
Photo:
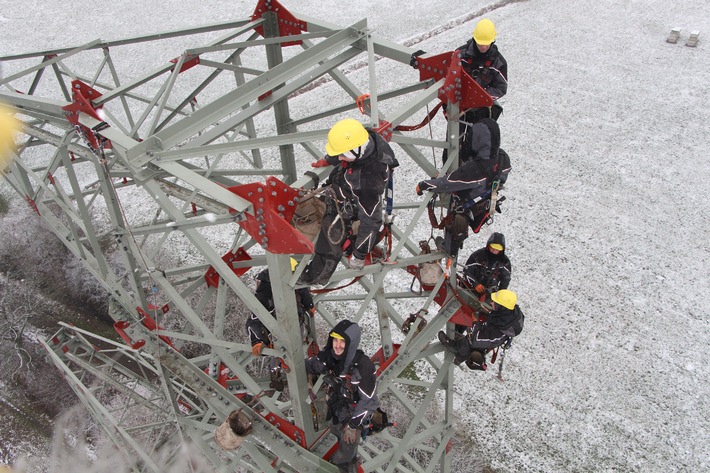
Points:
(17, 305)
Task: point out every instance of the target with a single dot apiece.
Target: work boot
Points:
(356, 263)
(449, 344)
(477, 361)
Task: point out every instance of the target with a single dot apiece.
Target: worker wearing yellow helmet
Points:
(260, 337)
(488, 269)
(8, 127)
(362, 163)
(482, 60)
(351, 380)
(504, 321)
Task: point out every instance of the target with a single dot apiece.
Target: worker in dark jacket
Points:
(259, 335)
(483, 61)
(351, 382)
(363, 163)
(488, 269)
(503, 322)
(481, 164)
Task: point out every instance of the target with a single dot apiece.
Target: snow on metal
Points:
(171, 182)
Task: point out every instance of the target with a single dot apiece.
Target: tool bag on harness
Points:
(475, 211)
(479, 209)
(308, 215)
(427, 273)
(232, 432)
(339, 397)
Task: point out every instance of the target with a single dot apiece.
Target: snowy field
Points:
(607, 219)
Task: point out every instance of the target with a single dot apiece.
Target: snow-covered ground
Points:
(607, 217)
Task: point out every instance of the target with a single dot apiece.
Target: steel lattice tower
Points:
(127, 169)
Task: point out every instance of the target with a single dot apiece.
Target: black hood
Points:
(497, 238)
(263, 276)
(264, 286)
(350, 331)
(376, 149)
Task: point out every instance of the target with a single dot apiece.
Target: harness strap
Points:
(329, 289)
(337, 219)
(363, 105)
(426, 120)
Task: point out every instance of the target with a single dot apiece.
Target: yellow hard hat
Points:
(337, 335)
(344, 136)
(485, 32)
(496, 246)
(506, 298)
(8, 127)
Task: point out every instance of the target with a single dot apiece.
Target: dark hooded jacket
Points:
(351, 378)
(485, 268)
(489, 69)
(508, 322)
(361, 184)
(481, 163)
(256, 329)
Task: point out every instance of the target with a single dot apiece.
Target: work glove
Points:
(413, 59)
(350, 435)
(321, 163)
(423, 186)
(356, 263)
(312, 311)
(479, 288)
(256, 349)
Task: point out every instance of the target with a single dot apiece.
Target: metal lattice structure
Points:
(170, 184)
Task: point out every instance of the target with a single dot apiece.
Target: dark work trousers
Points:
(346, 452)
(327, 252)
(481, 338)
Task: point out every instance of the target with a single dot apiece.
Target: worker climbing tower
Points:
(176, 182)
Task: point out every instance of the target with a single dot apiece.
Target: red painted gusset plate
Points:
(188, 63)
(463, 316)
(212, 276)
(291, 431)
(82, 95)
(460, 87)
(434, 67)
(379, 358)
(151, 325)
(288, 24)
(270, 225)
